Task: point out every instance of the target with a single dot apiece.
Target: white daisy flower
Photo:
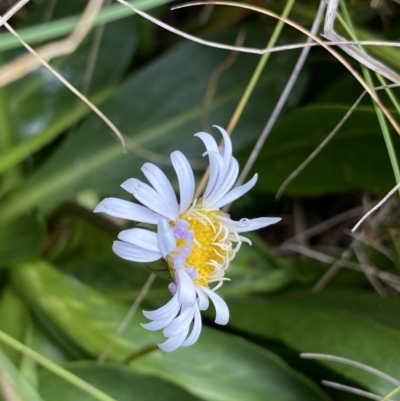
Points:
(195, 238)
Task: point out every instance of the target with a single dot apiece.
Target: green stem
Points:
(347, 23)
(260, 67)
(54, 368)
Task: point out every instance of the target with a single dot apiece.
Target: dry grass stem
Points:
(283, 98)
(334, 53)
(322, 145)
(350, 362)
(352, 390)
(25, 64)
(376, 207)
(139, 299)
(353, 50)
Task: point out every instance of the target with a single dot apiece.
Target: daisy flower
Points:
(194, 237)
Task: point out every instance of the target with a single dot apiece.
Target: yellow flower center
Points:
(211, 248)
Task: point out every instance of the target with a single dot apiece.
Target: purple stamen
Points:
(172, 287)
(179, 261)
(185, 251)
(189, 236)
(192, 272)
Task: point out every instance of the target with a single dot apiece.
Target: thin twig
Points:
(319, 148)
(352, 390)
(283, 98)
(376, 206)
(350, 362)
(70, 87)
(342, 60)
(121, 328)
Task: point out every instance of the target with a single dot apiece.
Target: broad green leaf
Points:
(21, 239)
(159, 108)
(356, 158)
(353, 324)
(210, 369)
(116, 380)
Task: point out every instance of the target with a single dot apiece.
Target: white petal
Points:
(196, 330)
(186, 291)
(235, 193)
(174, 342)
(209, 142)
(181, 323)
(160, 323)
(226, 184)
(170, 308)
(221, 308)
(217, 174)
(227, 147)
(166, 237)
(149, 197)
(127, 210)
(161, 184)
(141, 237)
(185, 178)
(134, 253)
(202, 299)
(246, 225)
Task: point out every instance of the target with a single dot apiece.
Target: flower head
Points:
(195, 238)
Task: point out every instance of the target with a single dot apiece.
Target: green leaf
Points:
(116, 380)
(210, 369)
(356, 158)
(14, 320)
(14, 384)
(21, 239)
(159, 109)
(353, 324)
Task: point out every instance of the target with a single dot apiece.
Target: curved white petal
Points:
(227, 147)
(127, 210)
(196, 330)
(221, 308)
(171, 308)
(174, 342)
(217, 174)
(202, 299)
(180, 323)
(185, 178)
(161, 184)
(246, 225)
(149, 197)
(160, 323)
(134, 253)
(227, 183)
(185, 291)
(235, 193)
(209, 142)
(140, 237)
(166, 237)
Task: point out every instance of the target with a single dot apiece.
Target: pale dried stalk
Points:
(282, 99)
(350, 362)
(27, 63)
(343, 61)
(70, 87)
(376, 207)
(353, 50)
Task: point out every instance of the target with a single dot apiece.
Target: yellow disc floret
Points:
(211, 247)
